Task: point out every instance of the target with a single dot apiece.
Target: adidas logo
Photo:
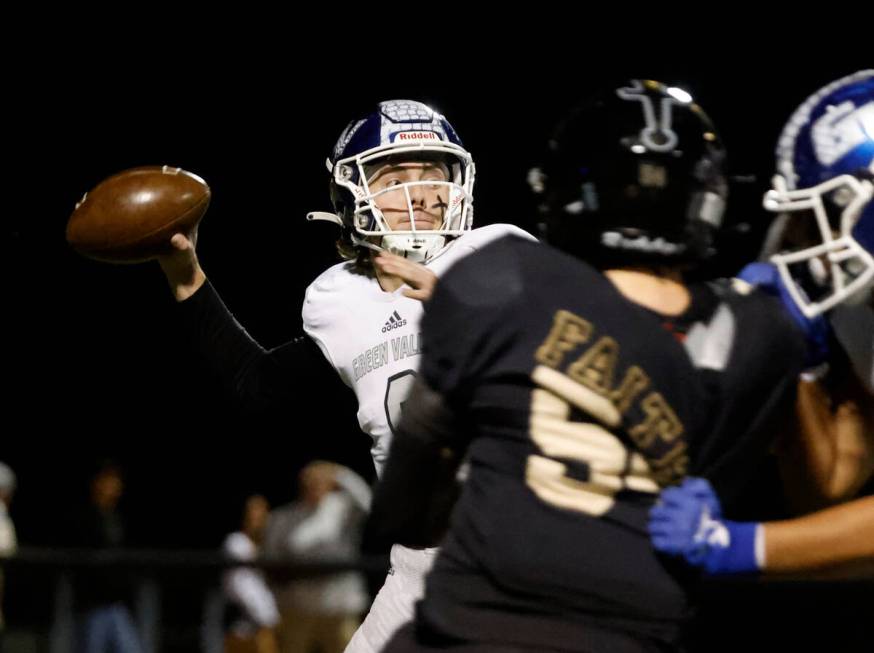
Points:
(394, 321)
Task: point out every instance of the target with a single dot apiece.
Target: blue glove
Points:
(688, 521)
(672, 536)
(816, 330)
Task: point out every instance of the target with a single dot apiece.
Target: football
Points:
(131, 216)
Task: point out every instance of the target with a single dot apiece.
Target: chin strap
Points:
(400, 244)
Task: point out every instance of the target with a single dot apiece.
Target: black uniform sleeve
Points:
(414, 497)
(257, 377)
(470, 316)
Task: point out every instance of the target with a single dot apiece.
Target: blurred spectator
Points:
(8, 540)
(101, 596)
(253, 612)
(323, 524)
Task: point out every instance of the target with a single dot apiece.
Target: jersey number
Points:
(396, 393)
(612, 467)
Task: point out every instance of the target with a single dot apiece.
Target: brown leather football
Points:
(131, 216)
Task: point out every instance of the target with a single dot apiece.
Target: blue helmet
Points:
(398, 130)
(825, 173)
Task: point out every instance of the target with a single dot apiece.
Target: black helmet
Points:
(635, 175)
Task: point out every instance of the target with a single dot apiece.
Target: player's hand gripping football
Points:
(181, 266)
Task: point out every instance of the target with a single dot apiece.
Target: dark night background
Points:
(95, 367)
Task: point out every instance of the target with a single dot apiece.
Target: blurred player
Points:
(824, 192)
(579, 383)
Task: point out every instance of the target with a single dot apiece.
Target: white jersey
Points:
(372, 337)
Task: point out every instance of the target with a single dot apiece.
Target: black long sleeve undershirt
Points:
(259, 378)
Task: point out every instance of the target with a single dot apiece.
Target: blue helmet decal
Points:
(394, 121)
(830, 134)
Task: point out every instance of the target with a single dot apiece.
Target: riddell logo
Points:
(395, 321)
(417, 136)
